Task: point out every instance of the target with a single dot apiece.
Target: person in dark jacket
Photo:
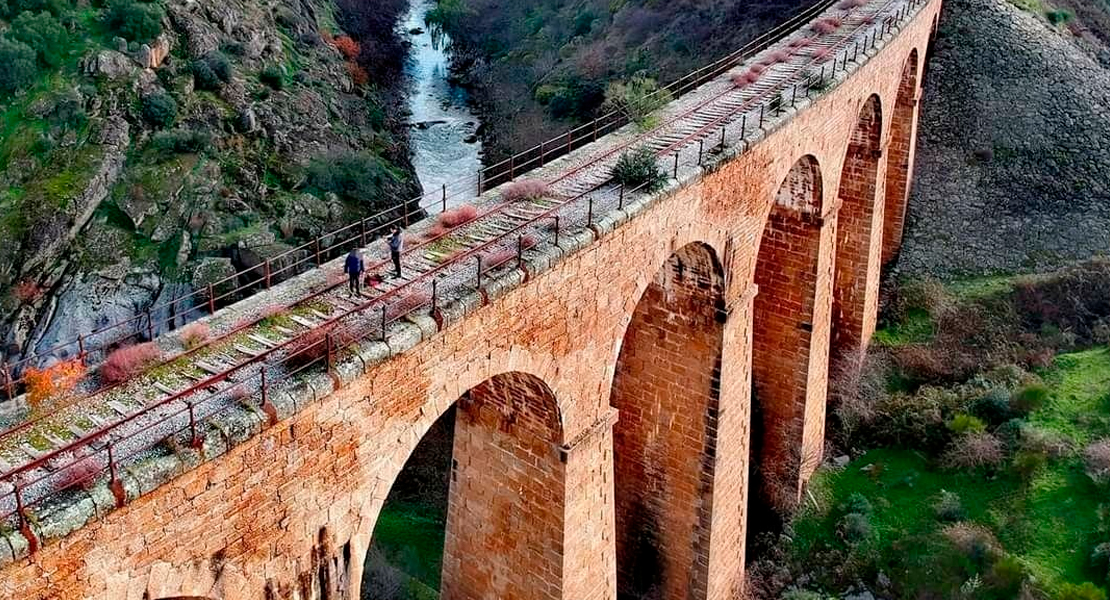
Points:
(396, 247)
(353, 267)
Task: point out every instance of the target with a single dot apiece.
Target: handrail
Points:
(78, 451)
(11, 372)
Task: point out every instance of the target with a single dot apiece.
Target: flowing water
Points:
(444, 139)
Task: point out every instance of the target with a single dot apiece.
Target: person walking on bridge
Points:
(396, 247)
(354, 267)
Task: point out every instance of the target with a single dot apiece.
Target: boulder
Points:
(111, 64)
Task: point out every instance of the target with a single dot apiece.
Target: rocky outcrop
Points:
(1013, 150)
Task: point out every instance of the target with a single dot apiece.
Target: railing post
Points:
(329, 348)
(479, 257)
(266, 265)
(512, 167)
(81, 347)
(520, 251)
(194, 441)
(114, 482)
(383, 323)
(445, 195)
(794, 95)
(743, 125)
(405, 208)
(557, 221)
(542, 142)
(701, 150)
(434, 295)
(723, 137)
(620, 206)
(761, 115)
(9, 385)
(149, 325)
(590, 211)
(362, 233)
(316, 243)
(211, 300)
(676, 164)
(570, 136)
(267, 408)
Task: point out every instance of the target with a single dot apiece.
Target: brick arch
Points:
(900, 152)
(667, 391)
(504, 527)
(784, 310)
(859, 236)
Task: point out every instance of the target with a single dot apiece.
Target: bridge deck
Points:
(259, 347)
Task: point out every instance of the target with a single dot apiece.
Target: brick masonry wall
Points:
(289, 513)
(899, 160)
(666, 390)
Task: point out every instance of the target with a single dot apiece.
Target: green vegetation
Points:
(637, 99)
(411, 537)
(44, 34)
(159, 109)
(17, 65)
(979, 444)
(358, 177)
(134, 21)
(639, 169)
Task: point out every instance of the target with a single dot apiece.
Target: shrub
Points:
(1100, 559)
(82, 473)
(194, 335)
(637, 98)
(854, 528)
(1058, 17)
(354, 176)
(1006, 576)
(1083, 591)
(27, 291)
(181, 141)
(1044, 441)
(1028, 463)
(850, 4)
(964, 423)
(135, 21)
(975, 542)
(639, 169)
(349, 48)
(19, 68)
(801, 42)
(857, 503)
(272, 76)
(827, 25)
(159, 109)
(436, 231)
(1096, 459)
(1030, 398)
(948, 508)
(50, 382)
(993, 406)
(457, 216)
(526, 189)
(44, 34)
(743, 80)
(358, 75)
(974, 450)
(204, 78)
(129, 361)
(823, 54)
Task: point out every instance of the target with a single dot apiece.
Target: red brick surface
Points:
(290, 513)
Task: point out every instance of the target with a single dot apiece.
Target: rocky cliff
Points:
(1013, 157)
(133, 173)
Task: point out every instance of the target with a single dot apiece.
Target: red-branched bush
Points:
(407, 303)
(827, 26)
(801, 42)
(743, 80)
(349, 48)
(775, 57)
(496, 258)
(27, 291)
(82, 473)
(129, 361)
(868, 20)
(358, 75)
(757, 68)
(529, 241)
(434, 232)
(850, 4)
(53, 381)
(195, 335)
(527, 189)
(823, 54)
(458, 216)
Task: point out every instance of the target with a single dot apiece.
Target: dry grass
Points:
(526, 189)
(974, 450)
(1096, 458)
(195, 335)
(129, 361)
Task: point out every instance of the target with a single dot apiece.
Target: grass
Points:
(916, 328)
(411, 536)
(1049, 523)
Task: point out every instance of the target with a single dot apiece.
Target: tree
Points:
(10, 8)
(353, 176)
(44, 34)
(135, 21)
(638, 98)
(17, 65)
(445, 18)
(159, 109)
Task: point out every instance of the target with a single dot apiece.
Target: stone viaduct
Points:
(617, 407)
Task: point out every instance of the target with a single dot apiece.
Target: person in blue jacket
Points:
(354, 267)
(396, 247)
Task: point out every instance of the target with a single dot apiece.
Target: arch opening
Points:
(786, 274)
(667, 391)
(899, 160)
(491, 472)
(858, 241)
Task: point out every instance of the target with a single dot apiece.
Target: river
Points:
(444, 140)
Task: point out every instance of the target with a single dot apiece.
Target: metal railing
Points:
(183, 417)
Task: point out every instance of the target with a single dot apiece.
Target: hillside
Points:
(537, 66)
(1014, 145)
(149, 148)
